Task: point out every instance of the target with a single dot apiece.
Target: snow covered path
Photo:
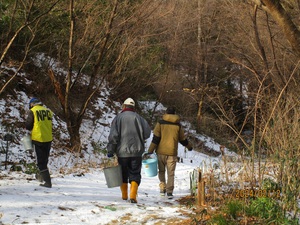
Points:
(86, 199)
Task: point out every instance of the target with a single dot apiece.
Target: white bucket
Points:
(113, 176)
(27, 143)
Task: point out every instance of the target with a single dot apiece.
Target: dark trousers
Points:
(42, 151)
(131, 169)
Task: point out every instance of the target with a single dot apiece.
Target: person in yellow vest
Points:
(39, 122)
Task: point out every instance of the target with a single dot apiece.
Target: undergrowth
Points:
(230, 211)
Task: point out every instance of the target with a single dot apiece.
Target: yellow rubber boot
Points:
(124, 190)
(133, 191)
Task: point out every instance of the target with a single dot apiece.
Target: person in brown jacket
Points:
(166, 136)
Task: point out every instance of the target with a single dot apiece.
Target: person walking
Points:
(167, 134)
(39, 122)
(126, 140)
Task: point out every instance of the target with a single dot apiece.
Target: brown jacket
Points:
(166, 136)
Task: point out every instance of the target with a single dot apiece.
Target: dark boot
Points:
(46, 177)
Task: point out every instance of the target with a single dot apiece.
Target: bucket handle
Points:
(109, 162)
(148, 153)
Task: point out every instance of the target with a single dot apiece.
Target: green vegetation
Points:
(259, 211)
(31, 168)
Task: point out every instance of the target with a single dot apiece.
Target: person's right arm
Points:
(29, 120)
(113, 138)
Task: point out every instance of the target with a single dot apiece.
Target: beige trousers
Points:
(168, 163)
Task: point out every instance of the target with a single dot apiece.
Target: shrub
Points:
(233, 208)
(269, 210)
(218, 219)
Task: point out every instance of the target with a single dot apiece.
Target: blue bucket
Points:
(150, 166)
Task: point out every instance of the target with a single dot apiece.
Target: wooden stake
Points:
(201, 189)
(202, 183)
(222, 149)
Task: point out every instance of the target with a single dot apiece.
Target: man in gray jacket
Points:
(127, 137)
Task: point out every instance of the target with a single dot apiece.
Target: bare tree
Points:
(270, 71)
(29, 21)
(73, 116)
(110, 55)
(282, 17)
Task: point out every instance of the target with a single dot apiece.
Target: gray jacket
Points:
(128, 133)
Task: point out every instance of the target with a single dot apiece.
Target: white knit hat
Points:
(129, 101)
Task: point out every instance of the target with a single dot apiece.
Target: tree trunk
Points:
(73, 128)
(290, 30)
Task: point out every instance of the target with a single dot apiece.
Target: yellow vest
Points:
(42, 127)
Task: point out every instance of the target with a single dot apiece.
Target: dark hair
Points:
(170, 110)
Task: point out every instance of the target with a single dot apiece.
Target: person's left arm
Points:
(183, 140)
